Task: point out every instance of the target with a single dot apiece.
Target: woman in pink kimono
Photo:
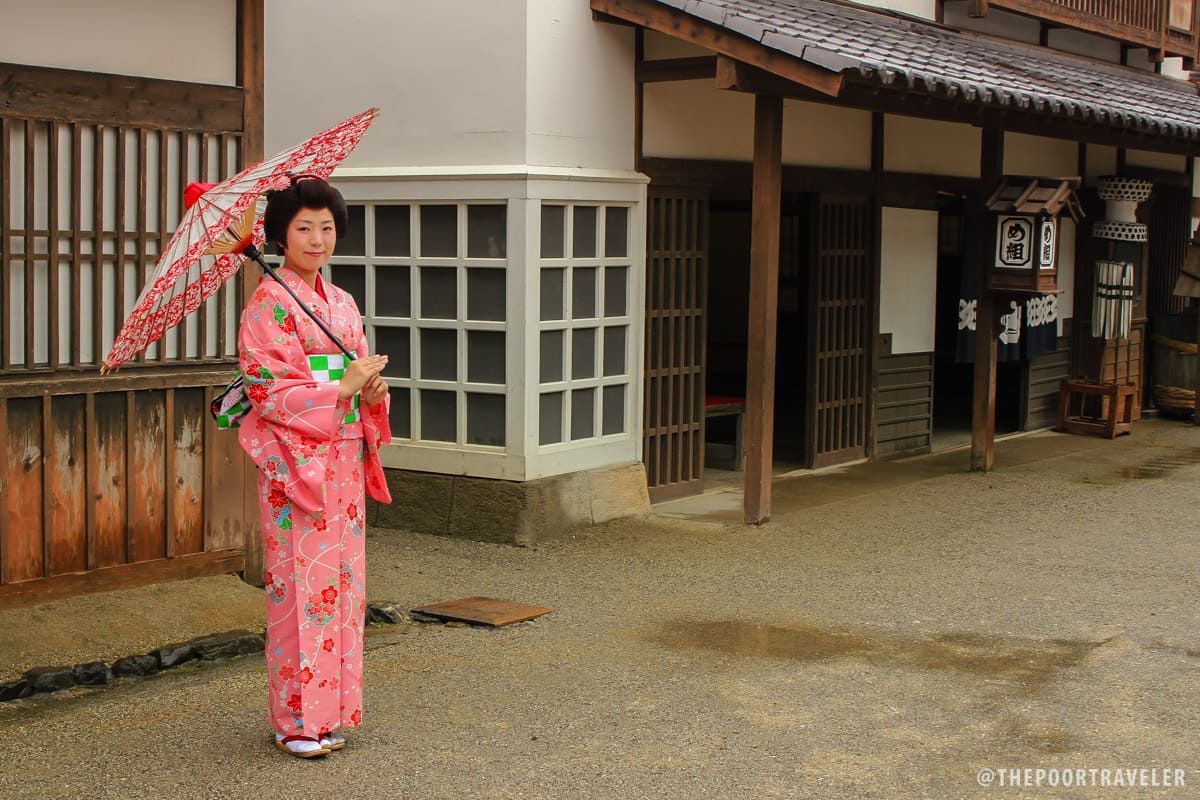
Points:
(314, 429)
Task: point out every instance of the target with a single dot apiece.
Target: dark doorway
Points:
(953, 378)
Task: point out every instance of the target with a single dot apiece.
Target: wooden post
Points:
(983, 398)
(764, 295)
(250, 77)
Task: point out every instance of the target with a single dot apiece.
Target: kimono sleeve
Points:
(276, 374)
(377, 431)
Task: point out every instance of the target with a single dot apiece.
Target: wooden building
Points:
(592, 235)
(602, 225)
(117, 480)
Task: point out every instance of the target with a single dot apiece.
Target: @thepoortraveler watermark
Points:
(1104, 777)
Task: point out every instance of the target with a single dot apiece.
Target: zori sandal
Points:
(301, 746)
(331, 741)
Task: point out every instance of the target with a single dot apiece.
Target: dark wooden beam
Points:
(764, 295)
(738, 76)
(676, 69)
(75, 96)
(677, 24)
(251, 78)
(977, 8)
(983, 397)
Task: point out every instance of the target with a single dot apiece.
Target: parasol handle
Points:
(252, 252)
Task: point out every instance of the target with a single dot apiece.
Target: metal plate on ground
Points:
(483, 611)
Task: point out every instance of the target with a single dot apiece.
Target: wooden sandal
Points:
(284, 742)
(331, 741)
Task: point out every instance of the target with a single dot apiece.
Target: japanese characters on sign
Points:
(1049, 231)
(1015, 245)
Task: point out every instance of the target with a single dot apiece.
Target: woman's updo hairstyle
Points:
(305, 191)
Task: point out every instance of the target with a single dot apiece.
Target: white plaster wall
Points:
(1101, 161)
(449, 78)
(925, 9)
(1163, 161)
(820, 135)
(581, 88)
(186, 41)
(694, 119)
(908, 278)
(930, 147)
(1040, 155)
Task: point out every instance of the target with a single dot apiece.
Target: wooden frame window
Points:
(584, 325)
(431, 280)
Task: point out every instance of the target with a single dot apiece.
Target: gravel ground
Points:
(896, 629)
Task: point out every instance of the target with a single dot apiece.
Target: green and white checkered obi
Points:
(331, 367)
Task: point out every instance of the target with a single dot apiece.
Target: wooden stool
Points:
(1120, 397)
(718, 406)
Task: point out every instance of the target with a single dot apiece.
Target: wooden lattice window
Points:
(85, 210)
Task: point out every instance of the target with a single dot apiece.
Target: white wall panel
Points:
(581, 88)
(1164, 161)
(825, 136)
(694, 119)
(448, 76)
(1040, 155)
(930, 147)
(908, 278)
(193, 41)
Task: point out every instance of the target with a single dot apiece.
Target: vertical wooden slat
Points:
(668, 349)
(98, 239)
(170, 454)
(65, 457)
(163, 188)
(47, 482)
(120, 262)
(91, 470)
(24, 469)
(77, 247)
(130, 467)
(6, 313)
(142, 234)
(111, 445)
(52, 310)
(187, 483)
(5, 467)
(29, 249)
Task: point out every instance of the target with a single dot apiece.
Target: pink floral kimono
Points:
(315, 454)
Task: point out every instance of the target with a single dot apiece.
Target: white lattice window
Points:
(430, 279)
(585, 357)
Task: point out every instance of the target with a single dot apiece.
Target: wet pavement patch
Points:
(1028, 663)
(1161, 466)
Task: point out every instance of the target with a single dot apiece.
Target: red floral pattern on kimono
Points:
(314, 468)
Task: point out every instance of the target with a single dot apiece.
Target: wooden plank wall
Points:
(117, 480)
(904, 412)
(98, 484)
(1039, 402)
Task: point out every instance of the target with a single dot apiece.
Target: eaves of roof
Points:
(888, 49)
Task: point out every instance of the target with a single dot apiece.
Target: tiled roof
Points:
(894, 49)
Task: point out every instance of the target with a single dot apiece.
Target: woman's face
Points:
(311, 237)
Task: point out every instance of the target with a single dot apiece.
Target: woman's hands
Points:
(361, 373)
(374, 391)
